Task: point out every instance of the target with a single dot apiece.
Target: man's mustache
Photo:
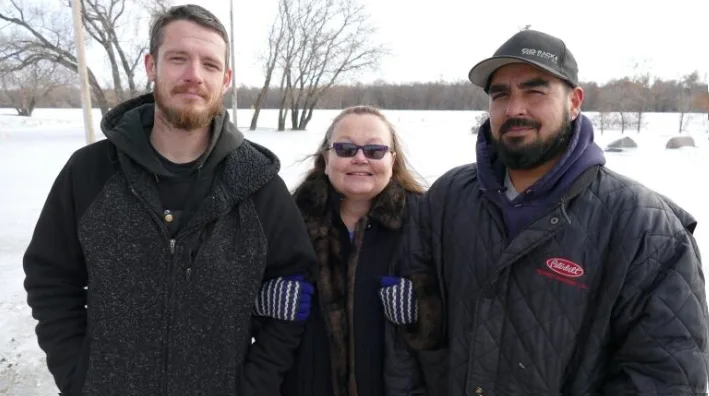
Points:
(186, 88)
(517, 123)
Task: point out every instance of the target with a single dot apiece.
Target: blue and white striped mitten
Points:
(398, 300)
(285, 298)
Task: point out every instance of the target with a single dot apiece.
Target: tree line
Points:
(617, 95)
(686, 95)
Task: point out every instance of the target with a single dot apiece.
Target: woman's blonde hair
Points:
(400, 170)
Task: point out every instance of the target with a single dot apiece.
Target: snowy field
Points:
(32, 151)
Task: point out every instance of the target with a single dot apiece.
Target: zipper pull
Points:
(172, 246)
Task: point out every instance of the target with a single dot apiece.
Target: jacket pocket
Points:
(434, 365)
(76, 383)
(402, 371)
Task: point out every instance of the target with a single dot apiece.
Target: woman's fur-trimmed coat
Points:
(391, 209)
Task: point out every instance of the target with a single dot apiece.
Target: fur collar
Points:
(315, 196)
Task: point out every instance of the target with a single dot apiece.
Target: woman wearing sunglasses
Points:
(356, 202)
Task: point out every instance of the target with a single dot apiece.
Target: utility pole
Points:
(83, 74)
(233, 61)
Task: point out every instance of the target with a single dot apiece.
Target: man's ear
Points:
(576, 97)
(227, 80)
(150, 67)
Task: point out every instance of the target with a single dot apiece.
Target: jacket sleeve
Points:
(660, 321)
(419, 266)
(402, 369)
(289, 253)
(55, 281)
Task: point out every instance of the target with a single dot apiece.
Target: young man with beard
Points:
(152, 245)
(559, 276)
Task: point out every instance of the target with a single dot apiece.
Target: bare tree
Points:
(44, 32)
(24, 87)
(276, 43)
(348, 48)
(108, 20)
(40, 32)
(296, 14)
(326, 41)
(701, 97)
(103, 21)
(702, 100)
(702, 103)
(640, 93)
(686, 99)
(605, 118)
(620, 96)
(311, 22)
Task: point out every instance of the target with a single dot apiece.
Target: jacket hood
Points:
(128, 127)
(581, 154)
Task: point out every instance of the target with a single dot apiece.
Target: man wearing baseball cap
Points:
(560, 276)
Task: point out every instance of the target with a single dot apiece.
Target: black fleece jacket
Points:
(126, 306)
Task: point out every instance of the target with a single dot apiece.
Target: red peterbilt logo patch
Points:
(565, 267)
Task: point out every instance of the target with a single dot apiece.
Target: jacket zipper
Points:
(573, 192)
(172, 244)
(497, 275)
(168, 311)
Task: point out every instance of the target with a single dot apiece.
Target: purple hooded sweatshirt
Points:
(581, 154)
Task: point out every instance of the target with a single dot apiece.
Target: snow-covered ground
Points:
(32, 150)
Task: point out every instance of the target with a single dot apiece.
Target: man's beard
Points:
(186, 118)
(536, 153)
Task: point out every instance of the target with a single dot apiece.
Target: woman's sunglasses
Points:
(371, 151)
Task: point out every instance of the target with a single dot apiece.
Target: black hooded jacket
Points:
(133, 300)
(599, 291)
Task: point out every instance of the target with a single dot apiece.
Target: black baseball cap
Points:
(535, 48)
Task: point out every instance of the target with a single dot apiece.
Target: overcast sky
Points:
(443, 39)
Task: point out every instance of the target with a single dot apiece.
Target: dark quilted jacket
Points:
(603, 295)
